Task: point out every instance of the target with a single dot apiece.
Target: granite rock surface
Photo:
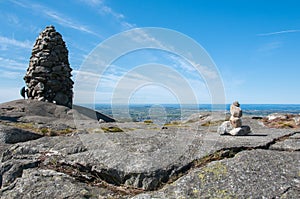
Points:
(188, 160)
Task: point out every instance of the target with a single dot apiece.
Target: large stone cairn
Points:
(48, 77)
(234, 125)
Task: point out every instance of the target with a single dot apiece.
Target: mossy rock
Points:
(173, 123)
(148, 122)
(52, 132)
(111, 129)
(42, 131)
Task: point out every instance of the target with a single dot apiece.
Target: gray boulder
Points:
(12, 135)
(49, 114)
(243, 130)
(225, 128)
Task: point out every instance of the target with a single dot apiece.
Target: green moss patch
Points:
(111, 129)
(148, 122)
(42, 131)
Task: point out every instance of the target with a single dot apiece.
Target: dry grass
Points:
(280, 123)
(42, 131)
(111, 129)
(148, 122)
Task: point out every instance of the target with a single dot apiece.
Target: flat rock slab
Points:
(141, 157)
(145, 158)
(53, 115)
(290, 144)
(12, 135)
(250, 174)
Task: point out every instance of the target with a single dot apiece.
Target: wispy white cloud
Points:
(19, 3)
(10, 74)
(18, 23)
(278, 32)
(187, 63)
(127, 25)
(270, 46)
(206, 71)
(12, 18)
(85, 75)
(140, 36)
(103, 9)
(12, 69)
(56, 17)
(118, 82)
(4, 41)
(11, 64)
(108, 10)
(92, 2)
(67, 22)
(181, 63)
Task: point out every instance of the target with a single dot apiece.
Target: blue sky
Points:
(254, 44)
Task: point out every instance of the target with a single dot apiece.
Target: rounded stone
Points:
(235, 111)
(235, 122)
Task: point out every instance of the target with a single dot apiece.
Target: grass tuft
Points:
(148, 122)
(111, 129)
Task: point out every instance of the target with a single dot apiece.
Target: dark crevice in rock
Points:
(216, 156)
(219, 155)
(285, 191)
(85, 174)
(111, 178)
(280, 139)
(15, 171)
(9, 187)
(286, 143)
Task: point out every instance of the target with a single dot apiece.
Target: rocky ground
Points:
(50, 151)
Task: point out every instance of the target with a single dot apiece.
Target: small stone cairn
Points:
(236, 114)
(234, 125)
(48, 77)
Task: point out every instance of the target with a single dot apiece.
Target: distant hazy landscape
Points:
(172, 112)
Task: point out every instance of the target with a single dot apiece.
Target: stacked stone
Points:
(234, 125)
(236, 114)
(48, 77)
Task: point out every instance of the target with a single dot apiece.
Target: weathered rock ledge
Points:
(188, 160)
